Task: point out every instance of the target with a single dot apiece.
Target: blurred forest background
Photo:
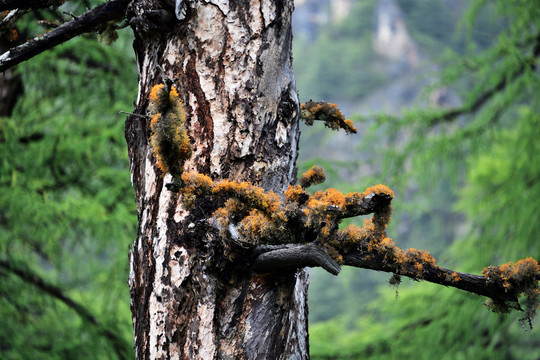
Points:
(445, 97)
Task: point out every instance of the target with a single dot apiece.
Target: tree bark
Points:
(231, 64)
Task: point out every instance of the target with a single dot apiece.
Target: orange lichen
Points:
(330, 196)
(327, 112)
(313, 176)
(453, 277)
(350, 125)
(518, 278)
(376, 244)
(169, 138)
(296, 193)
(379, 190)
(511, 275)
(413, 262)
(255, 227)
(195, 185)
(253, 196)
(258, 216)
(156, 92)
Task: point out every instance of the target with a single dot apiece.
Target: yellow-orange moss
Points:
(296, 194)
(329, 113)
(511, 275)
(411, 262)
(354, 236)
(313, 176)
(453, 277)
(255, 226)
(414, 261)
(350, 125)
(194, 185)
(519, 278)
(318, 206)
(334, 254)
(378, 189)
(156, 98)
(327, 197)
(252, 195)
(169, 138)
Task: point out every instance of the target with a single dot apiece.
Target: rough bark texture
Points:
(231, 63)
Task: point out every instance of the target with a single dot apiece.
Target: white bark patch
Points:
(143, 74)
(298, 321)
(158, 298)
(209, 30)
(281, 134)
(194, 105)
(149, 179)
(205, 312)
(179, 264)
(201, 342)
(221, 138)
(223, 5)
(269, 11)
(172, 52)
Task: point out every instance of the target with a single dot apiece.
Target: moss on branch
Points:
(329, 113)
(254, 217)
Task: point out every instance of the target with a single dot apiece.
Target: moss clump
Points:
(313, 176)
(519, 278)
(329, 113)
(296, 194)
(169, 138)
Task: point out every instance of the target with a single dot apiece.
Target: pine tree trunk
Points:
(231, 64)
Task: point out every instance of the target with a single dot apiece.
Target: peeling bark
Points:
(231, 63)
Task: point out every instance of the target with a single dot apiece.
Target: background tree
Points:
(199, 289)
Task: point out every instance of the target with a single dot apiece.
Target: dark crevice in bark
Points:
(203, 114)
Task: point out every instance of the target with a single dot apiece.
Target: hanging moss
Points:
(169, 138)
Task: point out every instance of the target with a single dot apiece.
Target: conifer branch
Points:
(90, 21)
(35, 280)
(484, 97)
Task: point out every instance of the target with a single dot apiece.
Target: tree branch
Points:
(87, 22)
(476, 284)
(293, 256)
(484, 97)
(54, 291)
(329, 113)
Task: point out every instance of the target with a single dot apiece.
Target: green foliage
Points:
(330, 62)
(68, 211)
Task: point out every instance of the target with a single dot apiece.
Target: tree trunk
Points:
(231, 64)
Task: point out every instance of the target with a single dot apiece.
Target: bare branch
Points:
(87, 22)
(294, 256)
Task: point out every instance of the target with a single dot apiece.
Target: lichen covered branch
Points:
(327, 112)
(302, 229)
